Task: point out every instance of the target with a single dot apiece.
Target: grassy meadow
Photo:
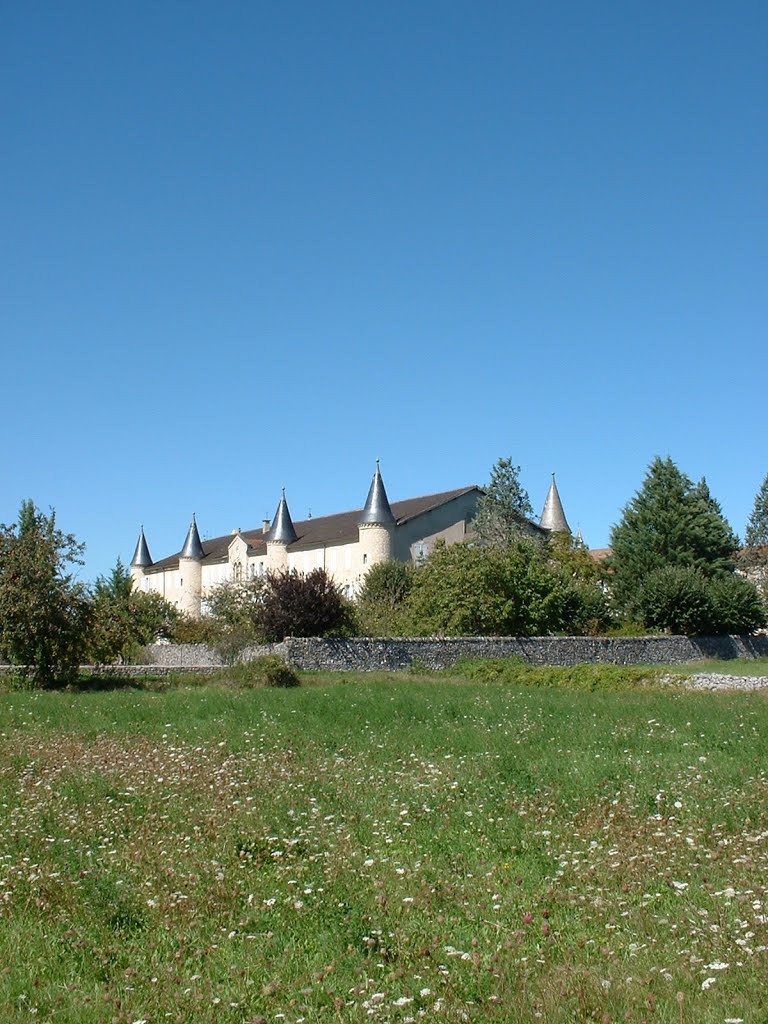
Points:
(393, 848)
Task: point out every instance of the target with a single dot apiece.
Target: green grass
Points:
(730, 667)
(385, 849)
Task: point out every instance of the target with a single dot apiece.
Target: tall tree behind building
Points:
(504, 511)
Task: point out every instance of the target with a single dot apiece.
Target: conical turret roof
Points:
(553, 517)
(193, 547)
(377, 511)
(281, 530)
(141, 556)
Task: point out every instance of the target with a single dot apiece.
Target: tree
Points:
(489, 591)
(504, 510)
(382, 601)
(302, 605)
(674, 598)
(669, 522)
(571, 560)
(124, 619)
(44, 612)
(757, 526)
(682, 599)
(754, 556)
(233, 609)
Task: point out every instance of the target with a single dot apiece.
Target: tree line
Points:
(675, 565)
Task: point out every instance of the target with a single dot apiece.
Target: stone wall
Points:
(370, 655)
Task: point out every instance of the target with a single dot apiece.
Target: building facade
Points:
(346, 545)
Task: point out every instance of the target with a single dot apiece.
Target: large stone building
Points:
(346, 545)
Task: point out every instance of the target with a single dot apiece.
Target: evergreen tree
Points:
(669, 522)
(757, 527)
(504, 510)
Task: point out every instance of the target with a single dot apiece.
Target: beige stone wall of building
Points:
(346, 563)
(416, 538)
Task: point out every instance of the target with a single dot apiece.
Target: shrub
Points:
(124, 619)
(381, 604)
(232, 612)
(303, 605)
(736, 606)
(268, 670)
(675, 598)
(682, 600)
(475, 591)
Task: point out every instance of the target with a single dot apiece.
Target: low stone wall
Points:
(370, 655)
(363, 654)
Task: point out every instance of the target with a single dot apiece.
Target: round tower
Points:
(281, 534)
(141, 561)
(376, 525)
(191, 573)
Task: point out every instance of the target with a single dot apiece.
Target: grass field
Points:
(386, 849)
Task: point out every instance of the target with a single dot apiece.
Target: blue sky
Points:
(249, 244)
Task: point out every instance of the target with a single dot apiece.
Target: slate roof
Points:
(340, 528)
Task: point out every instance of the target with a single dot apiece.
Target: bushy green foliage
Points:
(382, 602)
(584, 579)
(669, 523)
(44, 612)
(674, 598)
(736, 606)
(683, 600)
(268, 670)
(124, 619)
(232, 614)
(296, 604)
(504, 509)
(477, 591)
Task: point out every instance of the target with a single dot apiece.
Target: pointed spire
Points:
(553, 517)
(193, 548)
(282, 529)
(377, 511)
(141, 556)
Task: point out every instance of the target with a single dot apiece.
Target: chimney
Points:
(265, 525)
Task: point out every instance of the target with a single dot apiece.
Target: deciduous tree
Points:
(382, 602)
(466, 590)
(295, 604)
(124, 619)
(44, 611)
